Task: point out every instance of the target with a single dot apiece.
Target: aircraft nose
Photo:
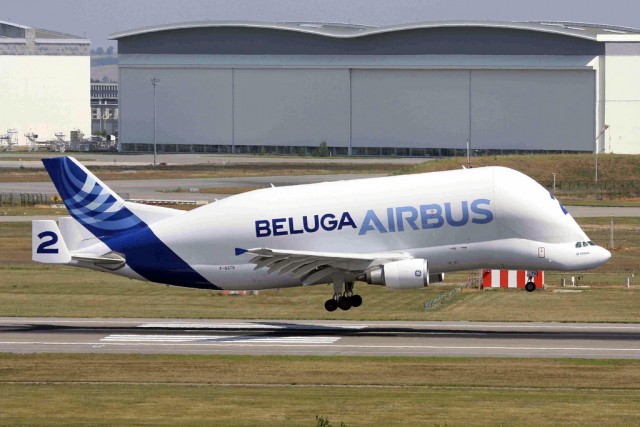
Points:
(603, 255)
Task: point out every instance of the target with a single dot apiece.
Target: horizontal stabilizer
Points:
(110, 261)
(47, 244)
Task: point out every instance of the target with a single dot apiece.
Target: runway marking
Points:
(263, 342)
(249, 325)
(284, 324)
(222, 339)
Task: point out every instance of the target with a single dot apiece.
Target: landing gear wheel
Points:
(331, 305)
(343, 297)
(530, 287)
(344, 303)
(356, 301)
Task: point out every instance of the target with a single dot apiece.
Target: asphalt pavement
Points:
(346, 338)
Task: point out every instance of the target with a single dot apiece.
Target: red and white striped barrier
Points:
(515, 279)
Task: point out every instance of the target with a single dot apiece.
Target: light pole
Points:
(604, 128)
(154, 82)
(468, 153)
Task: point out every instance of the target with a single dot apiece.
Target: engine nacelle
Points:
(404, 274)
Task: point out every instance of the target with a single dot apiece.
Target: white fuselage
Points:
(458, 220)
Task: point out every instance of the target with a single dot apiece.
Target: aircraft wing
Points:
(313, 267)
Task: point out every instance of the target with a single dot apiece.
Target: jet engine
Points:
(403, 274)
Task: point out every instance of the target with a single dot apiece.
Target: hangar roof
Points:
(594, 32)
(10, 30)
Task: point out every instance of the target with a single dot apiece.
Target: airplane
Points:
(401, 232)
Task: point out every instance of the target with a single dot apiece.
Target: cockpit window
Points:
(579, 245)
(591, 243)
(585, 244)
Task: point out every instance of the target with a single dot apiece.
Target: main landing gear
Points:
(343, 299)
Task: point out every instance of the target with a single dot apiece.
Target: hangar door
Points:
(193, 106)
(291, 107)
(495, 109)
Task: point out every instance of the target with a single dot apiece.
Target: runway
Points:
(327, 338)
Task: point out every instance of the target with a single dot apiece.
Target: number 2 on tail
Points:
(45, 247)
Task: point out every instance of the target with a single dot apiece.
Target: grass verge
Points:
(617, 185)
(541, 167)
(53, 389)
(107, 173)
(31, 289)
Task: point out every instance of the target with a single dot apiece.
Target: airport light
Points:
(604, 128)
(154, 82)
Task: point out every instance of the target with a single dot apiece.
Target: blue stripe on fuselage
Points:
(148, 256)
(95, 206)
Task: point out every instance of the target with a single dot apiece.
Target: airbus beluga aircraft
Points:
(400, 232)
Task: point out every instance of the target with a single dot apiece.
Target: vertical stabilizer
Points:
(89, 201)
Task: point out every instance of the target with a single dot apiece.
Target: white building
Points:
(414, 89)
(44, 83)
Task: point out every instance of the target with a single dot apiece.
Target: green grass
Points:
(567, 167)
(590, 201)
(618, 175)
(212, 170)
(53, 389)
(37, 210)
(32, 289)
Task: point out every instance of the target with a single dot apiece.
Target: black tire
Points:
(331, 305)
(344, 303)
(356, 301)
(530, 287)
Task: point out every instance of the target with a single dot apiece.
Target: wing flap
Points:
(314, 267)
(319, 276)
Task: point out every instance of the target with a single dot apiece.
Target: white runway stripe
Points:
(212, 325)
(218, 339)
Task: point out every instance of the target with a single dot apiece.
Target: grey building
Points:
(415, 89)
(104, 108)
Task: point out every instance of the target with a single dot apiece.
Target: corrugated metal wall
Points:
(412, 109)
(496, 109)
(291, 107)
(533, 110)
(193, 106)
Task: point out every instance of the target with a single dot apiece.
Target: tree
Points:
(99, 51)
(323, 150)
(111, 50)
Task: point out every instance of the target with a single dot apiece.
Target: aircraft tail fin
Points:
(89, 201)
(47, 244)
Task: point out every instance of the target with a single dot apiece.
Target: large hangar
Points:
(415, 89)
